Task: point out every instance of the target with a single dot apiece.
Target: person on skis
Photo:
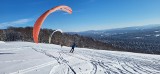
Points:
(73, 46)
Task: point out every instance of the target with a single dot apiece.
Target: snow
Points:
(138, 37)
(147, 35)
(2, 42)
(121, 33)
(101, 35)
(31, 58)
(156, 31)
(157, 35)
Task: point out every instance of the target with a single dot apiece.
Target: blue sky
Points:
(87, 14)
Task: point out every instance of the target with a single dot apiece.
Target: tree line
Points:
(65, 39)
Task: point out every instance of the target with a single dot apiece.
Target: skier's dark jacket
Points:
(73, 46)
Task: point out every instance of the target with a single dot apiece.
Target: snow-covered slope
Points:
(31, 58)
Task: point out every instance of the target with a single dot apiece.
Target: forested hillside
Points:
(65, 39)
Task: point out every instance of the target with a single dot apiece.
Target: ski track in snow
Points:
(33, 68)
(59, 59)
(85, 61)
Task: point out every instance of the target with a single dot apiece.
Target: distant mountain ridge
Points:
(145, 39)
(108, 32)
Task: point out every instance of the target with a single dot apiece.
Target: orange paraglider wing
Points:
(40, 20)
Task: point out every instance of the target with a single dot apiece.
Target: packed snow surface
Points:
(31, 58)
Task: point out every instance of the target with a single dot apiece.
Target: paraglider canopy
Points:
(40, 20)
(50, 37)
